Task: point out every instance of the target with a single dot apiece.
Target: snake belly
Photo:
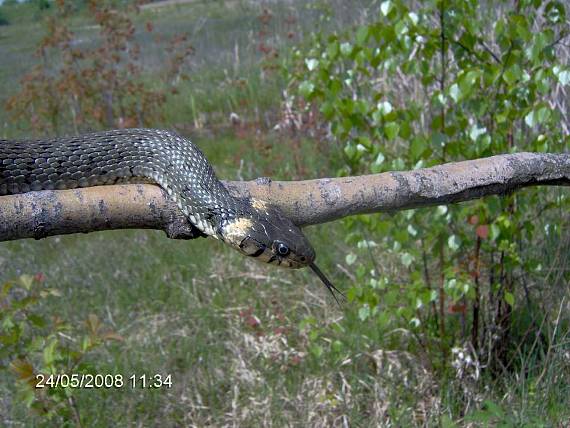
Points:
(120, 156)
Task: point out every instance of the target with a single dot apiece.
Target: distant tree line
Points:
(3, 19)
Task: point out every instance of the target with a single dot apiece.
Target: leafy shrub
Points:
(36, 345)
(446, 82)
(93, 87)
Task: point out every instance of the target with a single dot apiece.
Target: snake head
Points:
(266, 234)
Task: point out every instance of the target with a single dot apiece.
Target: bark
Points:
(145, 206)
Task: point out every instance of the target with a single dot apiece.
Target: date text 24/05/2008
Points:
(88, 380)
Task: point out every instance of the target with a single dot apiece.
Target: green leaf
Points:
(415, 322)
(333, 50)
(401, 28)
(364, 313)
(27, 397)
(335, 86)
(311, 63)
(362, 35)
(512, 74)
(327, 109)
(536, 117)
(26, 281)
(535, 49)
(509, 298)
(554, 12)
(398, 164)
(364, 144)
(37, 320)
(384, 107)
(453, 242)
(467, 81)
(455, 92)
(50, 352)
(307, 321)
(350, 258)
(317, 350)
(86, 343)
(438, 139)
(306, 88)
(379, 159)
(414, 18)
(407, 259)
(521, 27)
(346, 49)
(563, 75)
(476, 132)
(350, 151)
(451, 284)
(386, 7)
(391, 129)
(495, 231)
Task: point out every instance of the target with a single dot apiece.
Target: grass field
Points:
(245, 344)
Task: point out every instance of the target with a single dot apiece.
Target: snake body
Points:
(120, 156)
(253, 227)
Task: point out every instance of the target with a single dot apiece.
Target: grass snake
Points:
(253, 227)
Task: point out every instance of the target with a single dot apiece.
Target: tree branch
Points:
(145, 206)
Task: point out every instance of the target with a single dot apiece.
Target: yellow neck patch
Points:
(236, 230)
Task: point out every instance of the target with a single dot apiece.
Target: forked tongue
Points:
(327, 283)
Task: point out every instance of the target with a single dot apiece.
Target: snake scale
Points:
(253, 227)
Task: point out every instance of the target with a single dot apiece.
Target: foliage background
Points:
(457, 315)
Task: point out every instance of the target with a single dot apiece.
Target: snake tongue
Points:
(327, 283)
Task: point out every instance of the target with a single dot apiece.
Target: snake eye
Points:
(282, 249)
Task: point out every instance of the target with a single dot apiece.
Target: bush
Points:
(447, 82)
(35, 346)
(92, 88)
(3, 19)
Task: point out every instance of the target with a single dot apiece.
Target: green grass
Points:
(177, 304)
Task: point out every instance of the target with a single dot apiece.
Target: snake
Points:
(251, 226)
